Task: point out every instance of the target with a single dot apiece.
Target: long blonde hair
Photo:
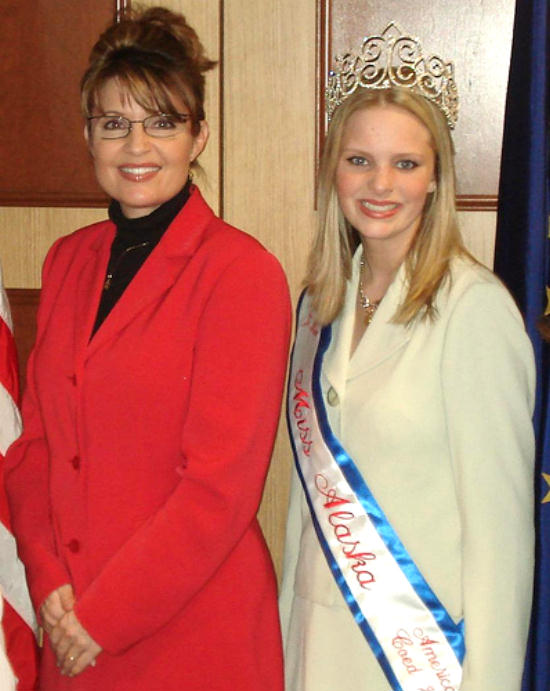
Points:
(436, 242)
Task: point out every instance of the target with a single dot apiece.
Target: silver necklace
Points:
(369, 306)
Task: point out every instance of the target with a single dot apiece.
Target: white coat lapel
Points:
(336, 362)
(383, 337)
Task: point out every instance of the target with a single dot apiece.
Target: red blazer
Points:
(144, 454)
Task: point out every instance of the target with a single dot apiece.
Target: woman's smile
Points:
(378, 209)
(139, 173)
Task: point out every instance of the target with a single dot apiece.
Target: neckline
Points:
(130, 231)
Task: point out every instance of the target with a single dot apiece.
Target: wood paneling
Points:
(26, 234)
(475, 35)
(478, 229)
(269, 109)
(45, 51)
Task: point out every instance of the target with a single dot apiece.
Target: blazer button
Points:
(75, 462)
(332, 397)
(74, 546)
(72, 379)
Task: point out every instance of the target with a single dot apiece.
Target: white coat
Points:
(437, 417)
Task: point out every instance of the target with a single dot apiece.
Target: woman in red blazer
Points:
(152, 403)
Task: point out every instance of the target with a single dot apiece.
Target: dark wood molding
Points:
(77, 201)
(324, 50)
(476, 202)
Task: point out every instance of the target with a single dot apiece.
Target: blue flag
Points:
(522, 260)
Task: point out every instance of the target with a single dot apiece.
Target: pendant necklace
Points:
(369, 306)
(111, 272)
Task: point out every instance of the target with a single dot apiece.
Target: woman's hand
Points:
(74, 648)
(56, 605)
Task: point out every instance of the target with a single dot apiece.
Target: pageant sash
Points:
(416, 642)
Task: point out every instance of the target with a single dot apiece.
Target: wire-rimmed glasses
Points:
(159, 125)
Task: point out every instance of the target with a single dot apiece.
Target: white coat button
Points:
(332, 397)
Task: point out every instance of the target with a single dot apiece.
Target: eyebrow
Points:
(363, 152)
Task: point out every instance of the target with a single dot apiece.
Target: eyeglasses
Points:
(159, 125)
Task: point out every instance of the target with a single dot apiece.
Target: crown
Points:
(393, 59)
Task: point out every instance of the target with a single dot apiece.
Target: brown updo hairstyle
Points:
(154, 55)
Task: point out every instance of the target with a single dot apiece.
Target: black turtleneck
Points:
(134, 241)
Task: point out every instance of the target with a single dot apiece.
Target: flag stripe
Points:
(13, 583)
(8, 362)
(10, 425)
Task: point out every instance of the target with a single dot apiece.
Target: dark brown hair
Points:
(155, 55)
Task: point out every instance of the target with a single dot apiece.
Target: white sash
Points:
(416, 642)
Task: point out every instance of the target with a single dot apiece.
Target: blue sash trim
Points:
(453, 632)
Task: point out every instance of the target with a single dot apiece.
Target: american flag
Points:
(7, 678)
(19, 621)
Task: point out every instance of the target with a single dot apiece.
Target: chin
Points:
(141, 205)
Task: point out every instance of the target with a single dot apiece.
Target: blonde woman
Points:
(409, 548)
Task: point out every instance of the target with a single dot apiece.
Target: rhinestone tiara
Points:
(393, 59)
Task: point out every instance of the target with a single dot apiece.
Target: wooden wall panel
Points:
(478, 230)
(269, 134)
(46, 45)
(26, 234)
